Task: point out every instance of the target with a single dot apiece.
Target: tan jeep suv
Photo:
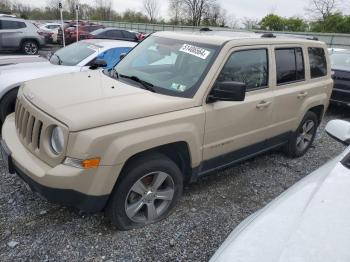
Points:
(177, 107)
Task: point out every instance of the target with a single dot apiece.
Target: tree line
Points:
(321, 15)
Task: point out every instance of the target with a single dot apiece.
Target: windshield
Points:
(73, 54)
(171, 66)
(340, 59)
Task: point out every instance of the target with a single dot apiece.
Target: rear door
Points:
(11, 33)
(299, 74)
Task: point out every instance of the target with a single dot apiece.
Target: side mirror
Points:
(227, 91)
(122, 55)
(98, 63)
(339, 130)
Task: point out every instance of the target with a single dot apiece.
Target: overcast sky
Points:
(239, 8)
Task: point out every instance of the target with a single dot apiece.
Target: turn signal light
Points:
(90, 163)
(84, 164)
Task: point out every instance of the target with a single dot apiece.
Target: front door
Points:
(234, 130)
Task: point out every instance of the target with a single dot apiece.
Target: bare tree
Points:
(250, 23)
(322, 8)
(197, 8)
(103, 9)
(176, 11)
(151, 8)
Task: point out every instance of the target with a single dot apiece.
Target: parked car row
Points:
(95, 31)
(19, 34)
(125, 139)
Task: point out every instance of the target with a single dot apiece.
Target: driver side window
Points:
(249, 67)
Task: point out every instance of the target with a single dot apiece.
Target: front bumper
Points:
(86, 190)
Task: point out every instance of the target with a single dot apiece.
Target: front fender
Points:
(116, 143)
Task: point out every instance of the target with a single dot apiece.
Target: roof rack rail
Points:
(274, 35)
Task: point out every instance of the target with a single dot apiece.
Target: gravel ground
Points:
(32, 229)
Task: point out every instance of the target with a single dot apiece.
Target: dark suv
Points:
(19, 34)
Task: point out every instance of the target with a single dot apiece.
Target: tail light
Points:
(140, 36)
(41, 33)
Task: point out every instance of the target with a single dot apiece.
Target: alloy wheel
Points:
(306, 135)
(30, 48)
(150, 197)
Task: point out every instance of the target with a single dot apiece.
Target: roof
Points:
(106, 43)
(221, 37)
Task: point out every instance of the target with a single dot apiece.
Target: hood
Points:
(13, 75)
(308, 223)
(91, 99)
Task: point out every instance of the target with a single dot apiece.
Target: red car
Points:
(70, 32)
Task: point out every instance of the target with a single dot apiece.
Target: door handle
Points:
(263, 104)
(302, 95)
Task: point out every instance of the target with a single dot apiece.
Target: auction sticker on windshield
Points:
(195, 50)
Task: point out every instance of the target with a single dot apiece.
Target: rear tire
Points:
(302, 139)
(149, 187)
(30, 47)
(7, 104)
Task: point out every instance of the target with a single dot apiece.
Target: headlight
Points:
(57, 140)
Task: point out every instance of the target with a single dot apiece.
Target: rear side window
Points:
(249, 67)
(318, 62)
(5, 24)
(129, 35)
(114, 34)
(289, 65)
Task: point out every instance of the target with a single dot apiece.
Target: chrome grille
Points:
(28, 126)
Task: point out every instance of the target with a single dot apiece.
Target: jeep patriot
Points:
(177, 107)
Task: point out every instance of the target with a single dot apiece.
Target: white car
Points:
(17, 59)
(73, 58)
(52, 28)
(308, 223)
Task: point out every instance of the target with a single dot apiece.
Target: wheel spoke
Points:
(309, 126)
(299, 139)
(302, 144)
(158, 180)
(166, 194)
(139, 187)
(151, 212)
(308, 137)
(134, 208)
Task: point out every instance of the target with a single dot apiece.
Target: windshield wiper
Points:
(146, 85)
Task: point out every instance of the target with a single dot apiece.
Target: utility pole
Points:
(62, 24)
(77, 18)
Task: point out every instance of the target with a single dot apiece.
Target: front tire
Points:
(7, 104)
(149, 188)
(30, 47)
(302, 139)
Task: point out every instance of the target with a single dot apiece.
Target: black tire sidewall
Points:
(115, 210)
(293, 149)
(7, 101)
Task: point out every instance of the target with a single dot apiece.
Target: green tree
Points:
(272, 22)
(295, 24)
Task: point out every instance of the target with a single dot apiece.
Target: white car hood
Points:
(308, 223)
(14, 75)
